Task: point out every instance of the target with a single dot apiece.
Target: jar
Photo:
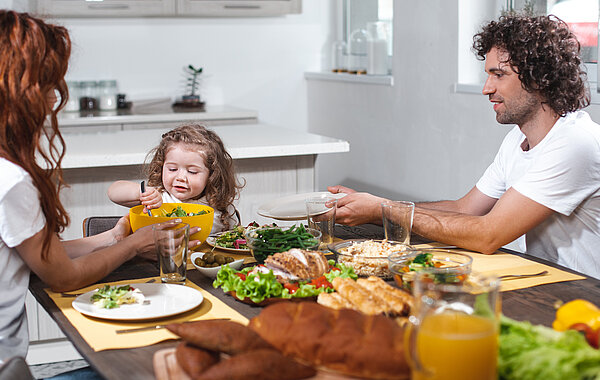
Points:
(73, 101)
(339, 57)
(377, 48)
(88, 100)
(107, 94)
(357, 47)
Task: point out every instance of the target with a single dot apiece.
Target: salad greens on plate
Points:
(260, 286)
(110, 297)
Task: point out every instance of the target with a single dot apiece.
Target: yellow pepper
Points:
(577, 311)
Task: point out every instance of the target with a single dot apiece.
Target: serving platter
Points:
(292, 207)
(160, 300)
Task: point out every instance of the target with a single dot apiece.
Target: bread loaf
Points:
(218, 335)
(347, 341)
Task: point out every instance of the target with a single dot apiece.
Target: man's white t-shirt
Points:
(562, 173)
(218, 225)
(20, 218)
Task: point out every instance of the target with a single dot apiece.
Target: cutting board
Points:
(167, 368)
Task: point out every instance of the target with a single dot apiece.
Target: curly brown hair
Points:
(222, 187)
(544, 53)
(33, 63)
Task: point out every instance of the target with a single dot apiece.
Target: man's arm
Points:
(510, 217)
(472, 203)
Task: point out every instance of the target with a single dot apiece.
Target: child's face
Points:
(184, 173)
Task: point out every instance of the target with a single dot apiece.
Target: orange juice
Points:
(453, 345)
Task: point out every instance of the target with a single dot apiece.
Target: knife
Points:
(156, 327)
(143, 188)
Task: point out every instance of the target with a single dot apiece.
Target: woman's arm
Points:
(83, 246)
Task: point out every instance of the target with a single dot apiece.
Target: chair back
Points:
(94, 225)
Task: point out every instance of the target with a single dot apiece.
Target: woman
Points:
(33, 64)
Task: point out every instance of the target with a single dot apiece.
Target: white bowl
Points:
(212, 272)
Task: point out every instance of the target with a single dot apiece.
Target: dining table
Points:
(536, 304)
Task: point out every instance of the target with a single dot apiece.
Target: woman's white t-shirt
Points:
(20, 218)
(218, 225)
(562, 172)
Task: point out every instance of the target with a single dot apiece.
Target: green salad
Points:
(260, 286)
(179, 212)
(110, 297)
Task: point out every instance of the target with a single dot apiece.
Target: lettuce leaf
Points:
(257, 287)
(537, 352)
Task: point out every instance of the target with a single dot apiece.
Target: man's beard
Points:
(520, 110)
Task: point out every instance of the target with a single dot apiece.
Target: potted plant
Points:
(192, 84)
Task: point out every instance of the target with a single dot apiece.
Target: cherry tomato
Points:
(591, 336)
(291, 287)
(320, 282)
(241, 275)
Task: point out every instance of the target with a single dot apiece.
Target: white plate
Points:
(212, 272)
(212, 241)
(292, 207)
(164, 300)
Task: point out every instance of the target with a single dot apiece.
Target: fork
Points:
(514, 276)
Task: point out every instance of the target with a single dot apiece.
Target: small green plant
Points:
(193, 79)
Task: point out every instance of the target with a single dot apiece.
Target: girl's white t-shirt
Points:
(21, 217)
(562, 172)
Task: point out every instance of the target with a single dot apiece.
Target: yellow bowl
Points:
(138, 219)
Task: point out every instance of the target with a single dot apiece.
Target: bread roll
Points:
(219, 335)
(194, 360)
(347, 341)
(400, 302)
(363, 300)
(263, 364)
(334, 301)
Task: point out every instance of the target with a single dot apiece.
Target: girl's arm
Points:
(125, 193)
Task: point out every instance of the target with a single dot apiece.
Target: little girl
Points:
(190, 165)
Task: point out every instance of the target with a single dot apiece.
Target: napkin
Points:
(501, 263)
(100, 334)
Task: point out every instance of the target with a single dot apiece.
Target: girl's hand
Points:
(151, 198)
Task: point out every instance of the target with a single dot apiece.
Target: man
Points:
(545, 179)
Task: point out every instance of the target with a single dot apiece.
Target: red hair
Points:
(33, 63)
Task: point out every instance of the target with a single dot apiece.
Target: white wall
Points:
(417, 140)
(253, 63)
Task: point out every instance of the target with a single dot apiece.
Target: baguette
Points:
(400, 302)
(346, 341)
(193, 360)
(263, 364)
(218, 335)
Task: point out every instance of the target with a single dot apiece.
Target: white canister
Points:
(377, 48)
(73, 101)
(107, 94)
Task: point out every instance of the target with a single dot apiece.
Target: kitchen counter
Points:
(130, 147)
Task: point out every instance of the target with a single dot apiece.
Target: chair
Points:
(94, 225)
(15, 368)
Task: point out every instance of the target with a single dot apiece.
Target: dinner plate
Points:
(212, 241)
(292, 207)
(160, 300)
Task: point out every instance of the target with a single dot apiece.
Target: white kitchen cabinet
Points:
(167, 8)
(237, 8)
(105, 8)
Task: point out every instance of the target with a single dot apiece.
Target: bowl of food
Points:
(368, 257)
(193, 214)
(266, 241)
(209, 263)
(443, 266)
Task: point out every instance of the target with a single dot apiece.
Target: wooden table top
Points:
(533, 304)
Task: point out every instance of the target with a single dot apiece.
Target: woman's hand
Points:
(122, 229)
(148, 250)
(151, 198)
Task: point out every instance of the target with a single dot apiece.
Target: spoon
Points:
(143, 188)
(512, 276)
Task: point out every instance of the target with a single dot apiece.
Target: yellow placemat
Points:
(501, 263)
(101, 334)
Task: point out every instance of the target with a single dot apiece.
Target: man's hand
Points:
(340, 189)
(359, 208)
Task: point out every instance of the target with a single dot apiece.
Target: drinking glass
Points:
(172, 249)
(397, 220)
(453, 329)
(321, 216)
